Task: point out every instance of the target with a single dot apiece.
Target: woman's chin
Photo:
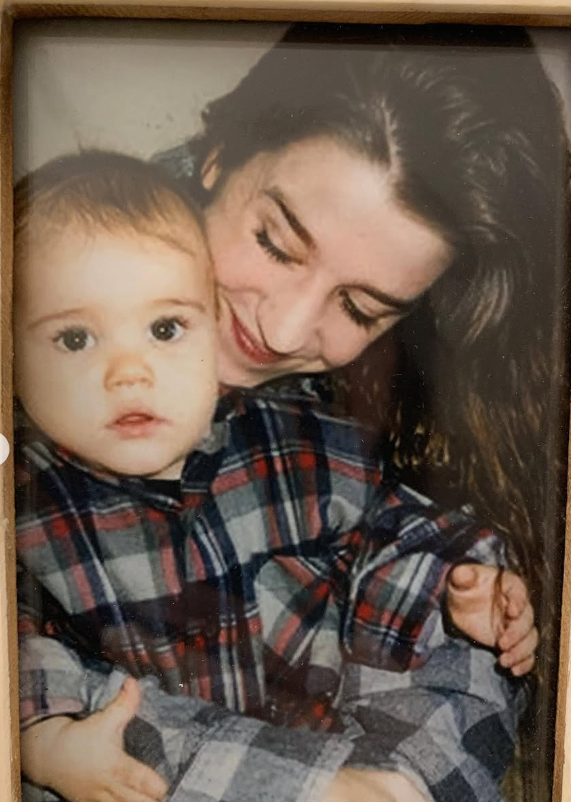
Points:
(231, 374)
(237, 374)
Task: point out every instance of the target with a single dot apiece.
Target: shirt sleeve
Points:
(397, 576)
(53, 679)
(450, 726)
(203, 750)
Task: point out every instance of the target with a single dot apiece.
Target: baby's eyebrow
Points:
(82, 311)
(57, 316)
(192, 302)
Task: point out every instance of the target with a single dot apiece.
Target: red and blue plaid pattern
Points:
(285, 557)
(220, 593)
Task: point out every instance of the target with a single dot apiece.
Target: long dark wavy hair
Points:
(469, 391)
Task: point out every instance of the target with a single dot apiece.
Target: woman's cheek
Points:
(340, 350)
(241, 266)
(342, 341)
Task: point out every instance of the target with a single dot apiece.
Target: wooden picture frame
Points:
(521, 12)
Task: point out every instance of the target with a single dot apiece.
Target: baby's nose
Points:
(127, 370)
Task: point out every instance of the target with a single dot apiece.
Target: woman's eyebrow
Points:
(276, 195)
(398, 304)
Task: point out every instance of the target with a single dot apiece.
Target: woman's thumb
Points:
(463, 577)
(121, 710)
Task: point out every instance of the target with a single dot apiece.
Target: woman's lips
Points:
(133, 425)
(250, 346)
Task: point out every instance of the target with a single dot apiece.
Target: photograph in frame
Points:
(422, 386)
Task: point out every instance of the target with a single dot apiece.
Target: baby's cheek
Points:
(39, 382)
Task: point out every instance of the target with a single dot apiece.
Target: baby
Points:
(144, 527)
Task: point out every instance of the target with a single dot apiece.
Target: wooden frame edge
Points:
(562, 766)
(9, 730)
(536, 13)
(539, 13)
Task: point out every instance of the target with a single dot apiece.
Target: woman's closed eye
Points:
(350, 307)
(168, 329)
(268, 245)
(74, 338)
(356, 314)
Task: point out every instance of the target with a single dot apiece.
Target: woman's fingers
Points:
(141, 779)
(523, 668)
(124, 793)
(517, 629)
(494, 615)
(102, 796)
(372, 786)
(515, 592)
(522, 654)
(520, 638)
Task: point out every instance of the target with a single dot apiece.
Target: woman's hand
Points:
(84, 761)
(492, 607)
(350, 785)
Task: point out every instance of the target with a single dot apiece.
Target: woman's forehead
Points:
(337, 209)
(320, 171)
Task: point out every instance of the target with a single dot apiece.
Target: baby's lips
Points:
(134, 418)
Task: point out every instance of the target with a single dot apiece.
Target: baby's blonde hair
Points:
(97, 191)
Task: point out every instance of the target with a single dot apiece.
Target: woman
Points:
(353, 189)
(347, 194)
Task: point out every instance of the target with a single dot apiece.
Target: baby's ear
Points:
(210, 171)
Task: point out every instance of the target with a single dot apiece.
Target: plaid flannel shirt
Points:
(260, 591)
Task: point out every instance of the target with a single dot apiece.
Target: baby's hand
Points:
(84, 761)
(492, 608)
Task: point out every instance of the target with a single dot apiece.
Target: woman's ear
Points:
(210, 172)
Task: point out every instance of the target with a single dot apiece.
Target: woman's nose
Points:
(289, 320)
(128, 370)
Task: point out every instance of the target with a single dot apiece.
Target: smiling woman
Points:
(396, 152)
(355, 167)
(320, 260)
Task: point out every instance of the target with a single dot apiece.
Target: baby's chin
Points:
(143, 466)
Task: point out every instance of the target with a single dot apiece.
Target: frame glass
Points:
(32, 157)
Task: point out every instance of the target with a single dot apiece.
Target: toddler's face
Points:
(115, 350)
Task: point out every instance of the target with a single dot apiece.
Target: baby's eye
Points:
(75, 338)
(166, 329)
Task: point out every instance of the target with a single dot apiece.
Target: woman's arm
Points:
(203, 747)
(444, 731)
(193, 744)
(405, 575)
(451, 725)
(387, 549)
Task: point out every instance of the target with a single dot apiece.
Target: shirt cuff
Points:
(247, 759)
